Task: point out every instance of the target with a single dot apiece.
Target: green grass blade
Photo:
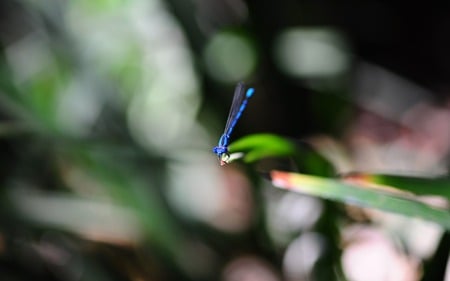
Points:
(260, 146)
(352, 194)
(418, 185)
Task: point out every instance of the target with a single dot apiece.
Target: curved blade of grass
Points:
(418, 185)
(344, 192)
(259, 146)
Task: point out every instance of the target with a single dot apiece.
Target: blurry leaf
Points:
(352, 194)
(120, 178)
(259, 146)
(94, 219)
(11, 129)
(41, 97)
(417, 185)
(262, 145)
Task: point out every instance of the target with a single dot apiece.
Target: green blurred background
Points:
(109, 110)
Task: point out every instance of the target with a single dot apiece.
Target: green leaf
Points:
(418, 185)
(356, 195)
(260, 146)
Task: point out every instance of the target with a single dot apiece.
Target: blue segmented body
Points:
(238, 105)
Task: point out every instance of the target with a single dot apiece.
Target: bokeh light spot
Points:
(229, 57)
(311, 53)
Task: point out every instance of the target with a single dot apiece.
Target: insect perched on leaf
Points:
(240, 99)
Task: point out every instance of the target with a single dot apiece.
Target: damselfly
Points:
(240, 100)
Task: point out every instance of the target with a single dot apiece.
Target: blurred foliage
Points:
(386, 192)
(109, 110)
(386, 198)
(261, 146)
